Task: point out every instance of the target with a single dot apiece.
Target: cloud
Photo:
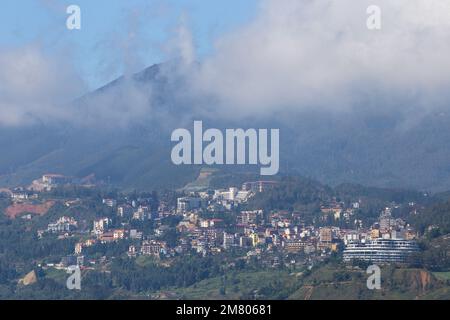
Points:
(320, 55)
(35, 86)
(180, 47)
(295, 55)
(41, 82)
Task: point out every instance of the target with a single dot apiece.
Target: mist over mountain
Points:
(352, 104)
(372, 147)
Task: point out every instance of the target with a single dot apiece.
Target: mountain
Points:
(121, 134)
(129, 156)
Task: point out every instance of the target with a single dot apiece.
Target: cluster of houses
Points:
(199, 229)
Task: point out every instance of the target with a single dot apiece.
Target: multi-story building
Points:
(101, 225)
(54, 180)
(63, 224)
(381, 250)
(228, 240)
(294, 246)
(110, 202)
(153, 248)
(249, 217)
(326, 235)
(142, 213)
(132, 251)
(387, 222)
(124, 210)
(118, 234)
(19, 196)
(78, 248)
(185, 204)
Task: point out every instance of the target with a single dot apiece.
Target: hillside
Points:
(344, 284)
(324, 283)
(383, 150)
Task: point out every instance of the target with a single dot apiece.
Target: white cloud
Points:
(35, 86)
(294, 55)
(303, 54)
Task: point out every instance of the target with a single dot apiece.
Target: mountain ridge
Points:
(361, 147)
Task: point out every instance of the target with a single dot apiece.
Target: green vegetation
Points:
(227, 275)
(437, 217)
(292, 194)
(442, 275)
(325, 282)
(270, 284)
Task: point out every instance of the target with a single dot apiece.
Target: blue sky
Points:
(97, 49)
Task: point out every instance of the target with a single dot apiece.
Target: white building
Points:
(380, 250)
(101, 225)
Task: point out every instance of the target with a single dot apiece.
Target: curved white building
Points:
(381, 250)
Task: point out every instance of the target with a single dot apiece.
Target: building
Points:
(387, 222)
(335, 211)
(326, 235)
(107, 237)
(132, 251)
(228, 240)
(142, 213)
(375, 233)
(381, 250)
(53, 180)
(229, 194)
(118, 234)
(243, 196)
(326, 240)
(19, 196)
(294, 246)
(101, 225)
(185, 204)
(124, 210)
(250, 217)
(78, 248)
(110, 202)
(63, 224)
(153, 248)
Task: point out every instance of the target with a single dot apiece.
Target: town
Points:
(212, 222)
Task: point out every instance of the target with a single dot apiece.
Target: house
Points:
(124, 210)
(153, 248)
(118, 234)
(50, 181)
(78, 248)
(19, 196)
(132, 251)
(110, 202)
(107, 237)
(101, 225)
(142, 213)
(63, 224)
